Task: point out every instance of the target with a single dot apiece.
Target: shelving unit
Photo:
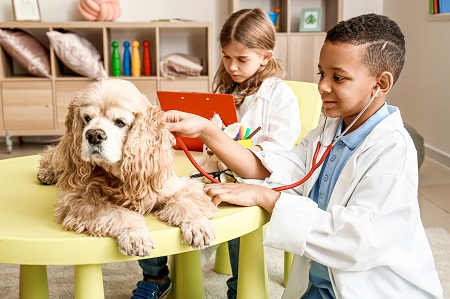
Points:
(31, 106)
(298, 51)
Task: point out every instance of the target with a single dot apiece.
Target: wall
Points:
(420, 92)
(215, 11)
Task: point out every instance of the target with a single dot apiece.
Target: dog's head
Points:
(112, 125)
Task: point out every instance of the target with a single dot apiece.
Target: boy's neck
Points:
(371, 110)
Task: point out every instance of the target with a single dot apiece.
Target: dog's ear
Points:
(147, 155)
(68, 156)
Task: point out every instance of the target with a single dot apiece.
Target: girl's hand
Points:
(185, 124)
(243, 195)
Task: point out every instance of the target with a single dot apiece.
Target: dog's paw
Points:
(134, 243)
(46, 177)
(198, 233)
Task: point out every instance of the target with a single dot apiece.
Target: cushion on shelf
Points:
(77, 53)
(27, 51)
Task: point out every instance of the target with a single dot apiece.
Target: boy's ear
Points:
(385, 82)
(267, 55)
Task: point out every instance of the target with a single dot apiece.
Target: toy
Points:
(135, 60)
(99, 10)
(115, 59)
(210, 163)
(147, 59)
(126, 59)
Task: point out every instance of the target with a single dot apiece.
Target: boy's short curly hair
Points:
(385, 42)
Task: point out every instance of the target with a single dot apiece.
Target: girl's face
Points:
(345, 84)
(242, 63)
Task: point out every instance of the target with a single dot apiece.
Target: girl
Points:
(248, 71)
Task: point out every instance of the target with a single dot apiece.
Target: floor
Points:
(434, 184)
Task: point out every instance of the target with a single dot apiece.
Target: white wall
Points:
(215, 11)
(420, 92)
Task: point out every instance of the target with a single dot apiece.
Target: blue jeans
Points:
(233, 249)
(155, 268)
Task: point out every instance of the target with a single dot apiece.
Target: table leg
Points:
(33, 282)
(252, 278)
(288, 257)
(187, 276)
(222, 262)
(88, 282)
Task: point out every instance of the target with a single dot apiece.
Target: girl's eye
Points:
(321, 74)
(242, 60)
(338, 78)
(119, 123)
(87, 118)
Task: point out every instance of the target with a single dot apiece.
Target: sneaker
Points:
(152, 290)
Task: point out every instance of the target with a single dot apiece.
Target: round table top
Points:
(30, 236)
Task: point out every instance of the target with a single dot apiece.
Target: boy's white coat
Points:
(371, 236)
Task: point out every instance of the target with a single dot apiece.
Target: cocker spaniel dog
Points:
(114, 164)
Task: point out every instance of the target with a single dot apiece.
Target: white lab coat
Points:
(274, 107)
(371, 237)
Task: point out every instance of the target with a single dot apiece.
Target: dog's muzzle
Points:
(95, 136)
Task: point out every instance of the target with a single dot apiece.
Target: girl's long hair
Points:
(253, 29)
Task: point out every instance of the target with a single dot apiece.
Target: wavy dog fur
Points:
(114, 165)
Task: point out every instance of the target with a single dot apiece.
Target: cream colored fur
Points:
(114, 165)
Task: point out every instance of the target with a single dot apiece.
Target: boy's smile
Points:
(345, 83)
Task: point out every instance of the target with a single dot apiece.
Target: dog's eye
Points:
(87, 118)
(119, 123)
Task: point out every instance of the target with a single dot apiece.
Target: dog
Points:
(114, 164)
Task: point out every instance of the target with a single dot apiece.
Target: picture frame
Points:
(311, 20)
(26, 10)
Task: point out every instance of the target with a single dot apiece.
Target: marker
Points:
(247, 132)
(241, 133)
(254, 132)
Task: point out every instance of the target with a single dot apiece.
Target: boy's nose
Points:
(323, 87)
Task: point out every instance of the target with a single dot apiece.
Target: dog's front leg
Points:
(190, 209)
(106, 220)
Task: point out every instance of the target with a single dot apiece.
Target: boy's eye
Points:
(321, 74)
(243, 60)
(338, 78)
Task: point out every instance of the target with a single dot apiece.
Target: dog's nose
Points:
(95, 136)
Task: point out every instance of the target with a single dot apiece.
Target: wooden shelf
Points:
(42, 104)
(298, 51)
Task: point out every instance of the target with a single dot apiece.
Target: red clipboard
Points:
(203, 104)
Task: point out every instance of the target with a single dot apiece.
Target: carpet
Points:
(120, 278)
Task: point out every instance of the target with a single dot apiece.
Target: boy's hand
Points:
(243, 195)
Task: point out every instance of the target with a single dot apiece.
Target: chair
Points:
(310, 106)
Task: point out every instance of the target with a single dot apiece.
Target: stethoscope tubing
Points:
(314, 164)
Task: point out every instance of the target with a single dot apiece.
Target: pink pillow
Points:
(27, 51)
(77, 53)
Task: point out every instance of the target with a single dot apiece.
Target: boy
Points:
(357, 218)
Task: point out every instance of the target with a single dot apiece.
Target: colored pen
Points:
(241, 133)
(254, 132)
(247, 132)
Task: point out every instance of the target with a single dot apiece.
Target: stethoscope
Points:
(314, 164)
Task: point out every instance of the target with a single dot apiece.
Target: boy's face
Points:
(242, 63)
(345, 83)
